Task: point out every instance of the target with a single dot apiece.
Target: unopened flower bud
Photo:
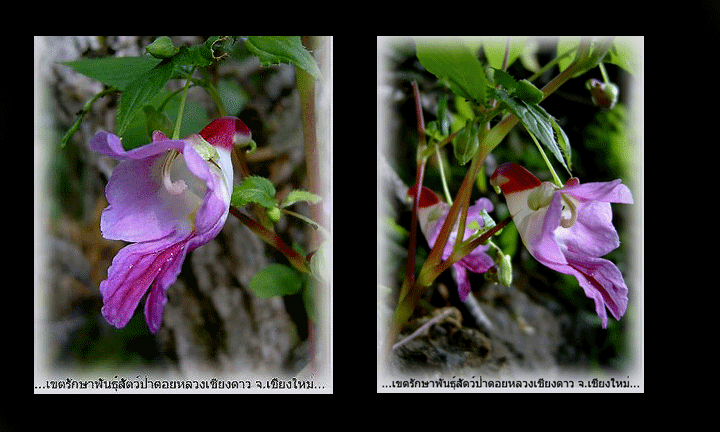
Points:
(162, 48)
(604, 95)
(274, 214)
(504, 270)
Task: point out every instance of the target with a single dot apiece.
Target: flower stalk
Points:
(298, 261)
(181, 110)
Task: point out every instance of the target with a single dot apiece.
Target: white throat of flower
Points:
(173, 187)
(186, 192)
(203, 148)
(542, 196)
(569, 211)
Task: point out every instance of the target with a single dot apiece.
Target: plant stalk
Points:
(181, 110)
(296, 260)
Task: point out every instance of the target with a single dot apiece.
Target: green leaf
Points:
(282, 49)
(276, 280)
(115, 71)
(140, 92)
(454, 62)
(233, 96)
(156, 120)
(589, 52)
(300, 195)
(563, 142)
(523, 89)
(565, 44)
(198, 55)
(254, 189)
(494, 49)
(621, 54)
(500, 77)
(536, 120)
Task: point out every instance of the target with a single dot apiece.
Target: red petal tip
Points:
(511, 178)
(225, 132)
(427, 198)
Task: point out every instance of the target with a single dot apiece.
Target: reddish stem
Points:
(298, 261)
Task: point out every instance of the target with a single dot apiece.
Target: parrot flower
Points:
(167, 198)
(431, 215)
(568, 229)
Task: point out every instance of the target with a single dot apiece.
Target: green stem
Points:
(181, 110)
(442, 176)
(212, 91)
(547, 161)
(307, 220)
(604, 72)
(86, 108)
(555, 61)
(428, 151)
(411, 291)
(167, 99)
(477, 164)
(466, 248)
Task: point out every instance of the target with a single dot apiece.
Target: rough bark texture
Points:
(212, 322)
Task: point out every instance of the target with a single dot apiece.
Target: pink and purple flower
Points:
(167, 198)
(568, 229)
(432, 214)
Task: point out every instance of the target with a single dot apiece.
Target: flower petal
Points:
(141, 208)
(133, 270)
(512, 178)
(593, 234)
(169, 204)
(135, 212)
(601, 280)
(461, 278)
(171, 262)
(477, 261)
(541, 241)
(613, 191)
(111, 145)
(211, 216)
(473, 214)
(225, 132)
(427, 196)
